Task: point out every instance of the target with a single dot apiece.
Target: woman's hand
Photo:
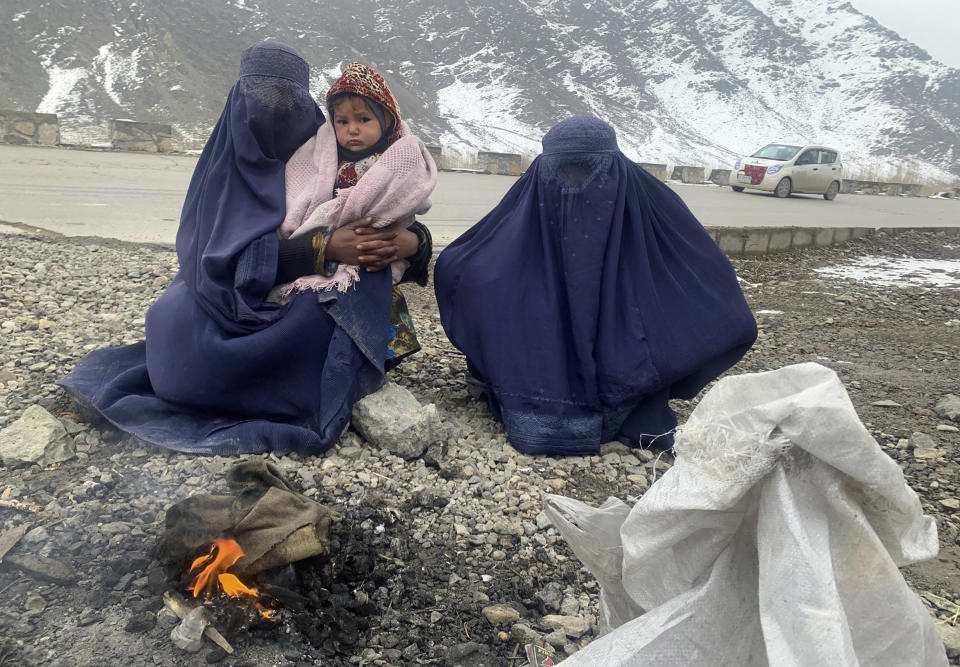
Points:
(374, 249)
(344, 244)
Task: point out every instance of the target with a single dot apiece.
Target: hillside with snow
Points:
(699, 81)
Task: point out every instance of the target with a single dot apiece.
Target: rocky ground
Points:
(446, 559)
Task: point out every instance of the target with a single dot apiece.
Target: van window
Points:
(828, 157)
(808, 157)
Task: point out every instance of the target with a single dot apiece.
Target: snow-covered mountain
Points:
(683, 81)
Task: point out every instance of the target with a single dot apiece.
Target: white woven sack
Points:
(775, 539)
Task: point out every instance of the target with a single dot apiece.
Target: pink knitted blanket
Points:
(393, 190)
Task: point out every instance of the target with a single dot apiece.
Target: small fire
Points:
(213, 577)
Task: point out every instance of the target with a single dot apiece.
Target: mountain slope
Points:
(697, 81)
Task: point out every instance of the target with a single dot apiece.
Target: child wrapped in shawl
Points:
(366, 163)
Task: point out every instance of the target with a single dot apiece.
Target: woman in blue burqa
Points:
(223, 370)
(588, 298)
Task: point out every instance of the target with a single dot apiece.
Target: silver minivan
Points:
(784, 169)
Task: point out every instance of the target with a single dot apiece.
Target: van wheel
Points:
(832, 191)
(783, 189)
(736, 188)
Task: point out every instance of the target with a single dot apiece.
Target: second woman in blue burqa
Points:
(588, 298)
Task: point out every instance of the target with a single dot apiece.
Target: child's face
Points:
(355, 125)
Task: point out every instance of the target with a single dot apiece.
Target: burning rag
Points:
(271, 522)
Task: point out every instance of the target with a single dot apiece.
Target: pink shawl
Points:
(394, 189)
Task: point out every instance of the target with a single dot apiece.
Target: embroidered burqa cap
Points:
(588, 297)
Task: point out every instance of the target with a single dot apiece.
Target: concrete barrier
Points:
(739, 241)
(855, 186)
(499, 163)
(130, 135)
(686, 174)
(720, 176)
(658, 171)
(24, 127)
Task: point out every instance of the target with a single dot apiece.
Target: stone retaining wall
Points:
(130, 135)
(24, 127)
(499, 163)
(435, 151)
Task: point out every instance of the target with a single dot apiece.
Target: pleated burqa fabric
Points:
(222, 370)
(588, 298)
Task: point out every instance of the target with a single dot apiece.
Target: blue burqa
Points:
(222, 371)
(588, 298)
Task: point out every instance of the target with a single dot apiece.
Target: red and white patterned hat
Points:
(359, 79)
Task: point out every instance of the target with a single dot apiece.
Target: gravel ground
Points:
(424, 546)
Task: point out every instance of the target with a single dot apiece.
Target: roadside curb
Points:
(741, 241)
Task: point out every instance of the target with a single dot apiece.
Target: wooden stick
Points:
(180, 608)
(23, 507)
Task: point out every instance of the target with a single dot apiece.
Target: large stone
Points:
(393, 419)
(37, 437)
(949, 407)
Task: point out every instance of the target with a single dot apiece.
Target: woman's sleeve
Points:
(303, 256)
(419, 262)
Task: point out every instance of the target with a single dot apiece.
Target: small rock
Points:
(556, 639)
(87, 616)
(524, 634)
(949, 407)
(921, 441)
(142, 622)
(929, 454)
(950, 635)
(469, 654)
(572, 626)
(215, 655)
(501, 614)
(393, 419)
(948, 428)
(34, 603)
(48, 569)
(886, 404)
(37, 437)
(951, 503)
(550, 595)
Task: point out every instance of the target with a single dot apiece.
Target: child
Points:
(364, 163)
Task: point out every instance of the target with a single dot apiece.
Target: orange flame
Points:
(213, 575)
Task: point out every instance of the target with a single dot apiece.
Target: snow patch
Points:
(899, 272)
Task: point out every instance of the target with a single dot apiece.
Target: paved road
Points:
(137, 197)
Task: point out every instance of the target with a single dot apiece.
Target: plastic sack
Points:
(775, 539)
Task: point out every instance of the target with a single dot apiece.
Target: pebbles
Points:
(428, 543)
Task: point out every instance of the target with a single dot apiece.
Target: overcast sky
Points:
(933, 25)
